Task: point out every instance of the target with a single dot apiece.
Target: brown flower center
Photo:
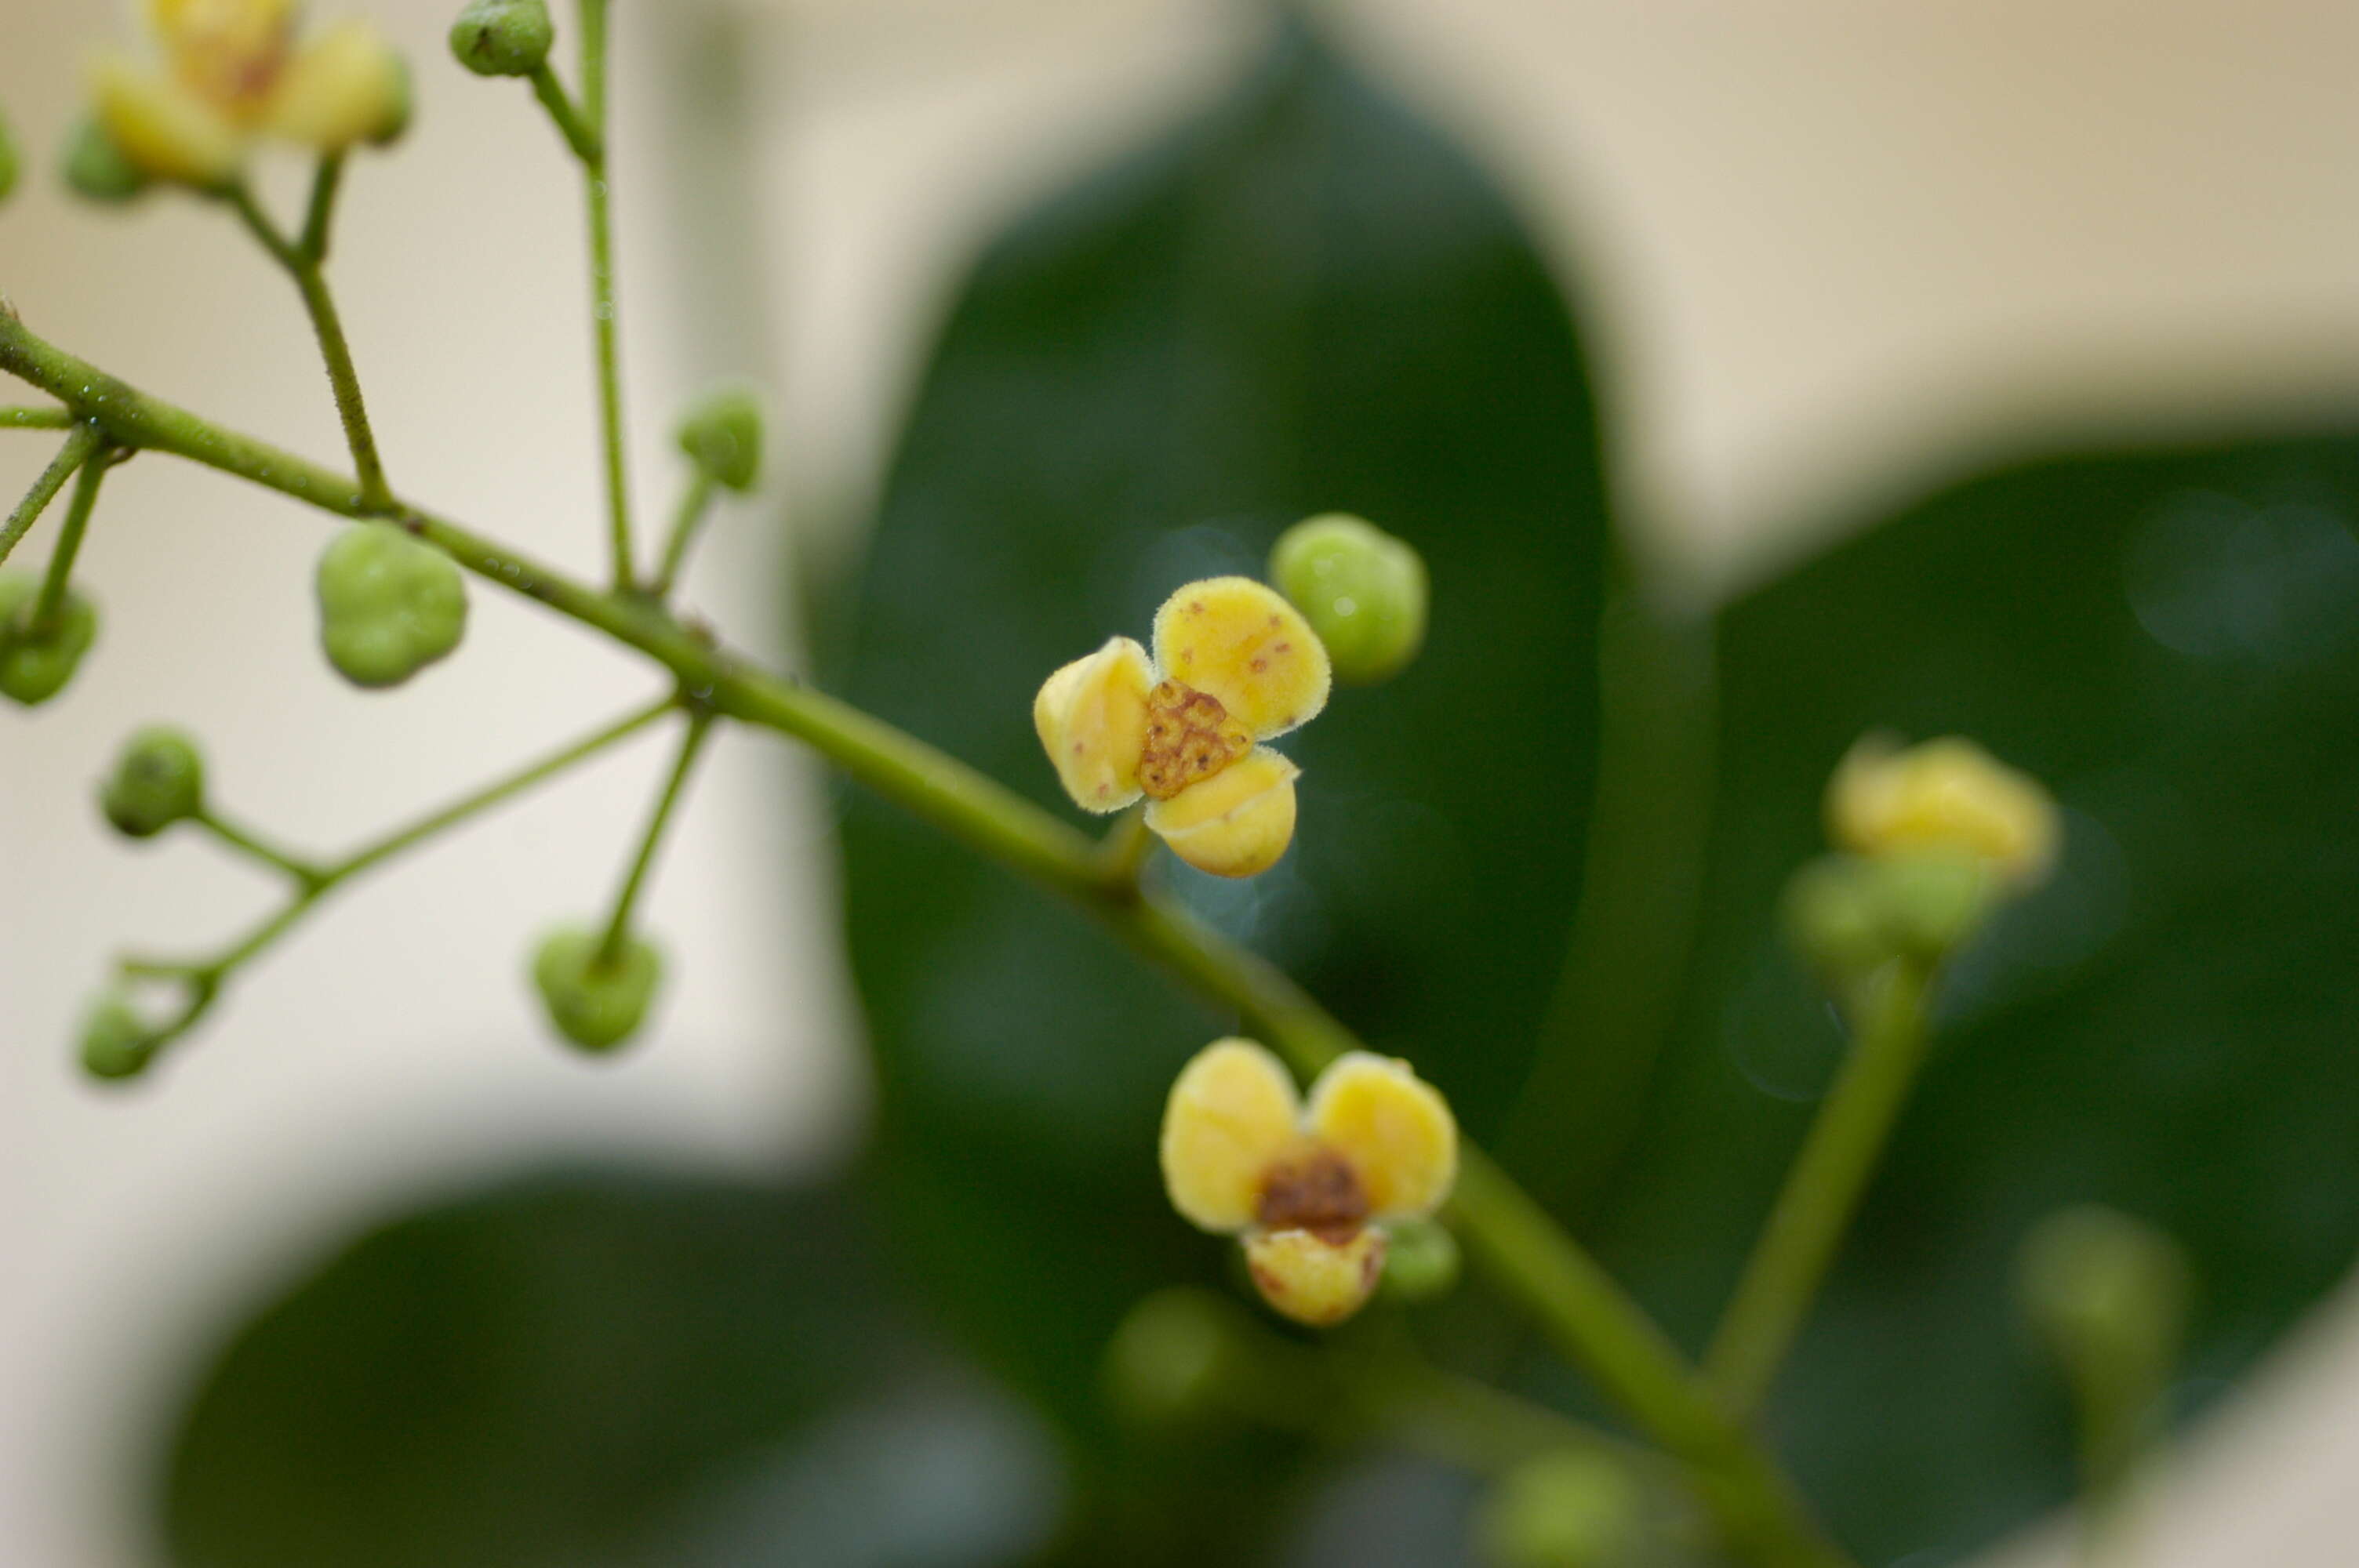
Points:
(1316, 1190)
(1190, 737)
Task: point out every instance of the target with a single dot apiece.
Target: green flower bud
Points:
(1935, 899)
(9, 161)
(2108, 1294)
(34, 668)
(722, 435)
(1833, 918)
(1422, 1263)
(1849, 914)
(1571, 1508)
(399, 105)
(116, 1043)
(1167, 1362)
(389, 605)
(596, 1006)
(1363, 591)
(502, 37)
(159, 780)
(96, 169)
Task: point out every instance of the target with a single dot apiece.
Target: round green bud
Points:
(95, 167)
(502, 37)
(1167, 1361)
(2107, 1293)
(597, 1006)
(722, 435)
(159, 780)
(10, 163)
(1834, 917)
(1363, 591)
(389, 605)
(1571, 1508)
(36, 663)
(401, 104)
(1933, 900)
(1421, 1263)
(116, 1043)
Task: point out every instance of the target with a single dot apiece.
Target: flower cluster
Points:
(1234, 664)
(1308, 1189)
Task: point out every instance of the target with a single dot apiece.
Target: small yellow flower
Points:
(1307, 1189)
(1942, 796)
(233, 69)
(1234, 664)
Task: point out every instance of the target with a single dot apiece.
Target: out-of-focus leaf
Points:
(613, 1370)
(1304, 301)
(2171, 638)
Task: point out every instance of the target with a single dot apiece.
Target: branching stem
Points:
(618, 928)
(80, 445)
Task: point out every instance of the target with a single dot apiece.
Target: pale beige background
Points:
(1810, 227)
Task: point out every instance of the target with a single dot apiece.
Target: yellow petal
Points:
(1394, 1128)
(1947, 795)
(162, 127)
(1312, 1279)
(228, 52)
(1235, 824)
(1232, 1111)
(346, 85)
(1091, 718)
(1245, 645)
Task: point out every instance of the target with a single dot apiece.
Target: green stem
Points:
(604, 313)
(585, 142)
(85, 439)
(301, 871)
(335, 353)
(1544, 1268)
(320, 214)
(35, 419)
(695, 505)
(51, 604)
(1823, 1191)
(618, 928)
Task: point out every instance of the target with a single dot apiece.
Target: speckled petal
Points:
(1092, 719)
(1394, 1128)
(1240, 641)
(1235, 824)
(1232, 1111)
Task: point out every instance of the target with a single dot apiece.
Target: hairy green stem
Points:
(618, 928)
(81, 444)
(1537, 1261)
(51, 603)
(603, 312)
(1823, 1191)
(695, 505)
(302, 264)
(320, 213)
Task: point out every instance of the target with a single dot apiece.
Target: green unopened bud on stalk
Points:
(1571, 1508)
(10, 163)
(1851, 914)
(95, 168)
(1168, 1360)
(502, 37)
(159, 780)
(1421, 1264)
(1363, 591)
(389, 605)
(722, 435)
(596, 1006)
(116, 1043)
(35, 662)
(2108, 1294)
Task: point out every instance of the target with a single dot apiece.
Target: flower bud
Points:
(2108, 1296)
(1947, 795)
(9, 161)
(1363, 592)
(348, 85)
(1315, 1282)
(389, 605)
(1167, 1361)
(1849, 916)
(35, 663)
(722, 435)
(1573, 1509)
(95, 168)
(159, 780)
(502, 37)
(1421, 1261)
(116, 1043)
(597, 1006)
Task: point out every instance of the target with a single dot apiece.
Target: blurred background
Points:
(1827, 258)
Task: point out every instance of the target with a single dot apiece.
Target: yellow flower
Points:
(233, 69)
(1945, 795)
(1234, 664)
(1307, 1189)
